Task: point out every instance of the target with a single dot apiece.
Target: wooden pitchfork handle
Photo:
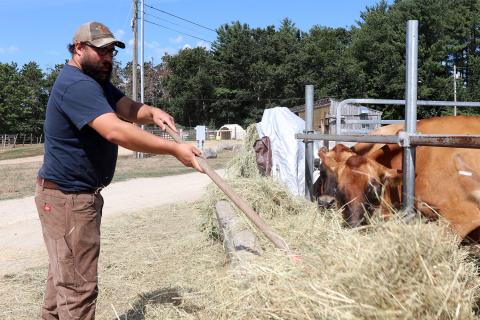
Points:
(239, 202)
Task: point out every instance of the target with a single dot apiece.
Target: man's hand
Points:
(186, 154)
(161, 118)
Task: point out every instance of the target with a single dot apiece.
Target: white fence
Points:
(188, 134)
(13, 140)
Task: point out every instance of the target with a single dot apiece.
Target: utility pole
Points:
(142, 43)
(135, 56)
(454, 88)
(135, 50)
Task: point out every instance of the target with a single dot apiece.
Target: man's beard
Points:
(100, 72)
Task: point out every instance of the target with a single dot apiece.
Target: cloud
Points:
(178, 39)
(119, 34)
(160, 52)
(151, 44)
(8, 50)
(204, 44)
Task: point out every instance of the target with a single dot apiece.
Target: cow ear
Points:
(342, 152)
(392, 176)
(327, 161)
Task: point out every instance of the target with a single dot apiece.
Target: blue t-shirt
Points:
(77, 158)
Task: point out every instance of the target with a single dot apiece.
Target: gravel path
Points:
(21, 242)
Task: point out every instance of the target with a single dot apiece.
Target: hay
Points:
(267, 197)
(387, 270)
(244, 163)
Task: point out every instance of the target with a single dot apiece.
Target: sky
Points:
(40, 30)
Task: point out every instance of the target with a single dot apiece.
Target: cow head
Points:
(326, 185)
(359, 182)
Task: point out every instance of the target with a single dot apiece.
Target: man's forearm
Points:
(140, 113)
(144, 114)
(135, 139)
(133, 111)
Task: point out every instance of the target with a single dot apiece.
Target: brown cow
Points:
(446, 179)
(326, 184)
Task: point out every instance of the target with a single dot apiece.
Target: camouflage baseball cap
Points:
(96, 34)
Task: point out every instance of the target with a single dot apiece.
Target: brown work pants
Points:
(71, 230)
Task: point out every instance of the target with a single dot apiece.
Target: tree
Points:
(34, 99)
(10, 97)
(188, 80)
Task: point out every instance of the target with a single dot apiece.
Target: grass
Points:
(21, 152)
(18, 180)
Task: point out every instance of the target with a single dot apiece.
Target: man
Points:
(82, 131)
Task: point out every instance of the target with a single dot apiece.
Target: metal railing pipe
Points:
(409, 151)
(432, 140)
(309, 143)
(349, 138)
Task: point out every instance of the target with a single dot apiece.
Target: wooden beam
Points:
(241, 245)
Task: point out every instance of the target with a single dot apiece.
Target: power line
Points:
(186, 34)
(173, 15)
(165, 20)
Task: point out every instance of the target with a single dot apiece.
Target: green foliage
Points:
(22, 98)
(253, 69)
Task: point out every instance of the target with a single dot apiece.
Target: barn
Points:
(230, 132)
(324, 116)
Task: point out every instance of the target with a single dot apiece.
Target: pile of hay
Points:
(388, 270)
(244, 163)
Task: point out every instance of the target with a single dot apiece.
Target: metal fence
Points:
(188, 134)
(407, 139)
(13, 140)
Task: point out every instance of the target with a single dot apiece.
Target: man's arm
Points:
(109, 126)
(143, 114)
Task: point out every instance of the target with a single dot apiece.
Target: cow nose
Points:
(326, 202)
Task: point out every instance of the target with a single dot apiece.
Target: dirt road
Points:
(21, 242)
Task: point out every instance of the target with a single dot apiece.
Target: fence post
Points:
(309, 143)
(408, 188)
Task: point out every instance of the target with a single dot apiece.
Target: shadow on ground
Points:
(157, 297)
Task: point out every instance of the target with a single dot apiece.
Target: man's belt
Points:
(47, 184)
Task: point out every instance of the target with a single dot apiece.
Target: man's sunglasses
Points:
(103, 51)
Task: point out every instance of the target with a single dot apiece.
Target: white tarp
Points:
(288, 153)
